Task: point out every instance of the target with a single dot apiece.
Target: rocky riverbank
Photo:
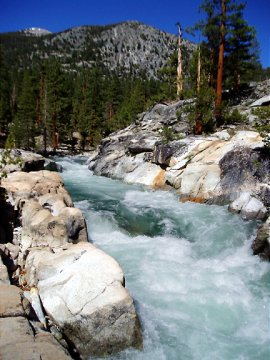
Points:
(231, 166)
(61, 297)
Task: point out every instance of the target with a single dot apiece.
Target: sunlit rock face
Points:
(80, 287)
(215, 169)
(82, 290)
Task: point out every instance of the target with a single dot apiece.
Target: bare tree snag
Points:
(199, 70)
(179, 79)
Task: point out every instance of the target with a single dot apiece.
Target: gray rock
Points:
(261, 245)
(17, 341)
(13, 250)
(75, 224)
(42, 227)
(10, 301)
(141, 146)
(51, 165)
(244, 165)
(162, 154)
(4, 278)
(248, 206)
(254, 209)
(262, 101)
(82, 291)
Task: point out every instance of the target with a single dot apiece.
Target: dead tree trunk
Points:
(179, 79)
(199, 70)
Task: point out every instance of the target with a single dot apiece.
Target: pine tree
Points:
(241, 49)
(5, 105)
(227, 43)
(58, 103)
(24, 122)
(167, 75)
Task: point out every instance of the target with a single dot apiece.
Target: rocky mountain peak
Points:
(130, 46)
(37, 31)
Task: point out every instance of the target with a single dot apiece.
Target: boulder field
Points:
(70, 299)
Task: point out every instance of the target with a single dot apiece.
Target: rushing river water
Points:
(199, 292)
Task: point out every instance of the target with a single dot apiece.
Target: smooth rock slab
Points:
(10, 301)
(21, 185)
(81, 289)
(17, 342)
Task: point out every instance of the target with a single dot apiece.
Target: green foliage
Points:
(23, 128)
(263, 123)
(5, 108)
(167, 134)
(104, 102)
(241, 48)
(266, 140)
(233, 117)
(58, 101)
(201, 112)
(168, 77)
(8, 157)
(262, 113)
(242, 53)
(10, 142)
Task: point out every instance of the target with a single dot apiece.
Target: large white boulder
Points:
(82, 291)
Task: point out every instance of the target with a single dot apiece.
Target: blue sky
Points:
(57, 15)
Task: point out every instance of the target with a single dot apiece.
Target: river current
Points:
(199, 291)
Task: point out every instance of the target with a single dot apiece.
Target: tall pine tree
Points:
(5, 96)
(25, 119)
(58, 103)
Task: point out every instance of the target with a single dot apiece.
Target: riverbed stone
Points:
(17, 341)
(162, 154)
(146, 174)
(248, 206)
(42, 227)
(51, 165)
(4, 278)
(261, 244)
(81, 289)
(10, 301)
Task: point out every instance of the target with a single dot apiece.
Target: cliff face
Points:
(130, 46)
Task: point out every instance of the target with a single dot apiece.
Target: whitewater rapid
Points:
(199, 291)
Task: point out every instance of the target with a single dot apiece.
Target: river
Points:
(199, 291)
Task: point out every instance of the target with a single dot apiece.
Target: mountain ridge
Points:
(131, 46)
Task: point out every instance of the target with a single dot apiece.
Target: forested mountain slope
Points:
(130, 46)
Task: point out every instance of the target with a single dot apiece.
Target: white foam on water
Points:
(200, 292)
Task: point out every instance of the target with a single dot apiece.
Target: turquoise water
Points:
(199, 291)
